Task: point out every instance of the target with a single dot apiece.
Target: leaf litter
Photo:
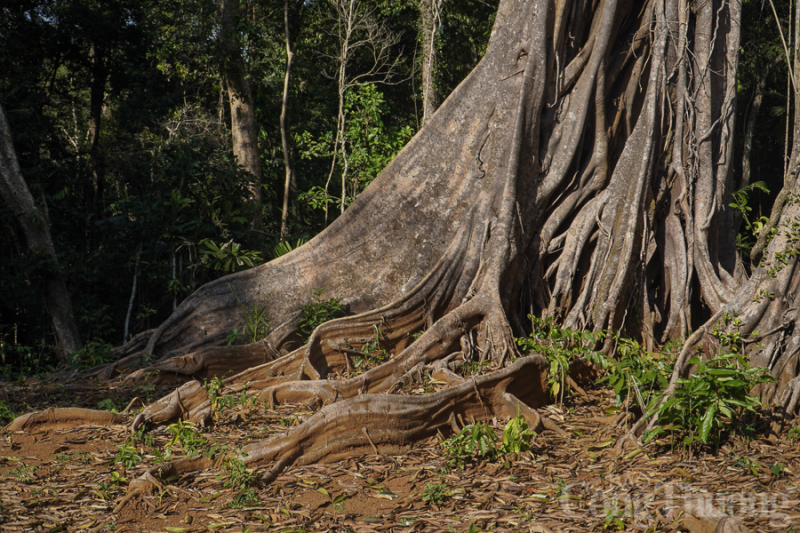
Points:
(70, 479)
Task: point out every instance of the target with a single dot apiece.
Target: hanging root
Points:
(391, 423)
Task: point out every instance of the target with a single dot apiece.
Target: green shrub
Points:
(435, 493)
(711, 401)
(94, 353)
(560, 346)
(318, 311)
(517, 436)
(638, 376)
(6, 415)
(475, 441)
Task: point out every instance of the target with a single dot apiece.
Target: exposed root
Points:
(389, 424)
(190, 402)
(60, 417)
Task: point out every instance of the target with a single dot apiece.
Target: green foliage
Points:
(127, 455)
(213, 389)
(475, 441)
(186, 434)
(110, 404)
(371, 353)
(94, 353)
(637, 376)
(244, 498)
(6, 415)
(371, 145)
(229, 257)
(337, 502)
(238, 475)
(560, 346)
(614, 518)
(711, 401)
(436, 493)
(22, 472)
(318, 311)
(256, 325)
(284, 247)
(517, 436)
(747, 464)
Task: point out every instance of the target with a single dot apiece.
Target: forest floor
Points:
(71, 478)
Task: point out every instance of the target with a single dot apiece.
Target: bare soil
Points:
(68, 479)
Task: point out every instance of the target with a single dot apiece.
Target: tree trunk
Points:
(285, 139)
(581, 171)
(36, 226)
(243, 119)
(97, 95)
(429, 25)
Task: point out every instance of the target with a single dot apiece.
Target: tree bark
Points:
(285, 135)
(36, 226)
(243, 119)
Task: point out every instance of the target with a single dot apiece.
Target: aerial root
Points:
(789, 397)
(383, 423)
(63, 417)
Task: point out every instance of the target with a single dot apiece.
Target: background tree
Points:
(243, 119)
(35, 224)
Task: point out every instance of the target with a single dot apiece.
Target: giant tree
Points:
(582, 171)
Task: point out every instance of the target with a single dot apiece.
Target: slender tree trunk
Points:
(285, 135)
(243, 118)
(429, 25)
(97, 96)
(36, 226)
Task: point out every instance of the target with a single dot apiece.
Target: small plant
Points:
(213, 389)
(517, 436)
(243, 498)
(712, 400)
(638, 375)
(6, 415)
(228, 257)
(148, 390)
(285, 247)
(337, 502)
(373, 354)
(109, 404)
(475, 440)
(436, 493)
(777, 469)
(23, 473)
(256, 325)
(185, 433)
(96, 352)
(747, 464)
(127, 455)
(318, 311)
(560, 346)
(613, 519)
(238, 475)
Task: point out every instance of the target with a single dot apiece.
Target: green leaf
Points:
(708, 420)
